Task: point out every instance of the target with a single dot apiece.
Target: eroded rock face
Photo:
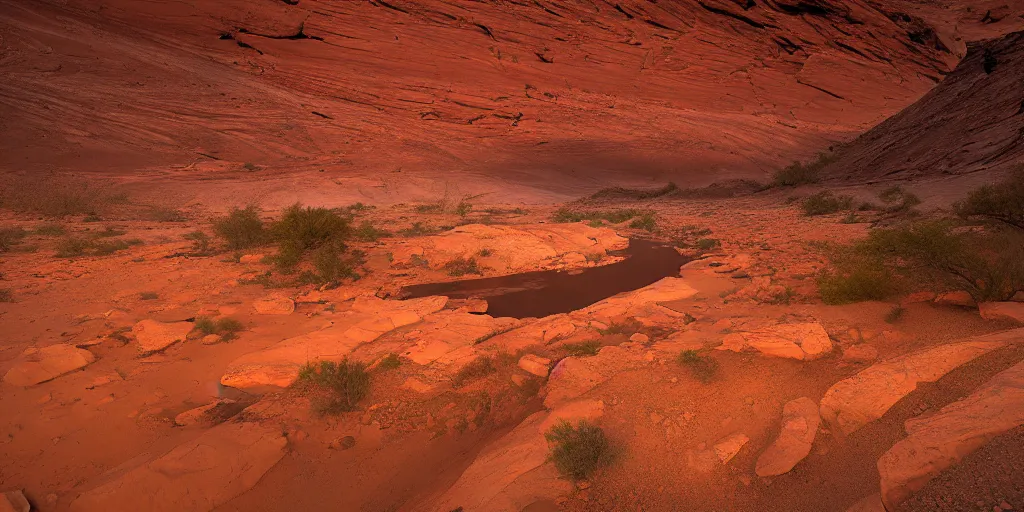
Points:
(938, 441)
(851, 403)
(800, 421)
(512, 473)
(154, 336)
(1004, 311)
(278, 366)
(535, 364)
(638, 302)
(511, 248)
(197, 476)
(574, 376)
(805, 341)
(447, 337)
(38, 365)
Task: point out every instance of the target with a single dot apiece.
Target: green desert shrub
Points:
(389, 362)
(227, 328)
(242, 228)
(582, 348)
(462, 266)
(825, 202)
(201, 243)
(474, 370)
(798, 173)
(9, 237)
(578, 450)
(646, 222)
(898, 199)
(6, 295)
(703, 367)
(367, 232)
(936, 254)
(334, 387)
(1002, 202)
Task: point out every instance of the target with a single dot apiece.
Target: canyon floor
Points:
(113, 401)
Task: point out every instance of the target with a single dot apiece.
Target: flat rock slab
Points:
(39, 365)
(14, 501)
(805, 342)
(512, 473)
(854, 402)
(278, 365)
(800, 421)
(154, 336)
(274, 305)
(1005, 311)
(638, 302)
(938, 441)
(197, 476)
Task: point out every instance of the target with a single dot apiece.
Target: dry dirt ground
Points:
(108, 434)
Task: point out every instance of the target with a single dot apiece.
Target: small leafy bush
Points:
(201, 243)
(897, 199)
(708, 244)
(367, 232)
(334, 387)
(704, 368)
(462, 266)
(51, 229)
(418, 229)
(1002, 202)
(799, 173)
(242, 228)
(227, 328)
(645, 222)
(578, 450)
(895, 314)
(389, 362)
(6, 295)
(825, 202)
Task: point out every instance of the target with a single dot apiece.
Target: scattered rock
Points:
(274, 305)
(860, 353)
(727, 448)
(154, 336)
(1008, 311)
(940, 440)
(14, 501)
(198, 475)
(961, 298)
(37, 365)
(639, 338)
(805, 342)
(417, 385)
(852, 403)
(251, 258)
(211, 339)
(796, 437)
(534, 364)
(342, 443)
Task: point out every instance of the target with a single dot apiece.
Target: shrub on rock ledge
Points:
(334, 387)
(579, 450)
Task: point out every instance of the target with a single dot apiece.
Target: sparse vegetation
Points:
(566, 215)
(708, 244)
(485, 252)
(825, 202)
(51, 229)
(227, 328)
(626, 328)
(895, 314)
(1002, 202)
(148, 296)
(163, 214)
(242, 228)
(582, 348)
(418, 229)
(704, 368)
(935, 253)
(645, 222)
(798, 173)
(200, 243)
(638, 194)
(6, 295)
(462, 266)
(9, 237)
(332, 267)
(334, 388)
(474, 370)
(898, 200)
(389, 362)
(109, 232)
(57, 197)
(367, 232)
(577, 451)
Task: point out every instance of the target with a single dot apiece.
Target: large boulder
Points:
(800, 421)
(278, 365)
(196, 476)
(806, 341)
(154, 336)
(38, 365)
(274, 305)
(511, 248)
(938, 441)
(854, 402)
(512, 473)
(1004, 311)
